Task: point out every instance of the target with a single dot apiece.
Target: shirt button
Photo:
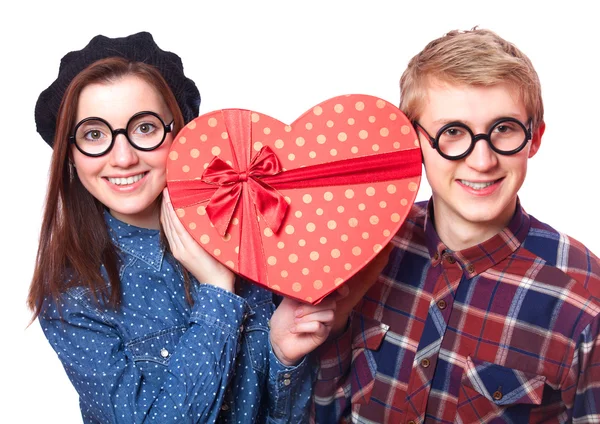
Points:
(442, 304)
(286, 375)
(436, 256)
(224, 407)
(497, 395)
(164, 352)
(450, 259)
(425, 363)
(471, 268)
(287, 382)
(411, 422)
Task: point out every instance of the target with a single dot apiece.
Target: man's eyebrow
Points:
(441, 122)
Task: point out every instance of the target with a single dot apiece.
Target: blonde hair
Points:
(476, 57)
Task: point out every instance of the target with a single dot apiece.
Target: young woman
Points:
(150, 331)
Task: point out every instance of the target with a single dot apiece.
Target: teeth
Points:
(128, 180)
(476, 186)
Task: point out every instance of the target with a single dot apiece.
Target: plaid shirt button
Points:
(450, 259)
(442, 304)
(425, 363)
(497, 395)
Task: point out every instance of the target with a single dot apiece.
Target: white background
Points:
(278, 58)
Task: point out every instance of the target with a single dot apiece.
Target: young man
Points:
(483, 313)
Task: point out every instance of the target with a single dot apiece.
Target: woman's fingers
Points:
(314, 328)
(305, 309)
(325, 317)
(167, 213)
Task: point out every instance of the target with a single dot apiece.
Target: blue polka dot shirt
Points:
(157, 359)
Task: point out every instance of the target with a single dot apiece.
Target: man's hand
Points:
(351, 292)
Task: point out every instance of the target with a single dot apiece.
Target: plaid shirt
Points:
(504, 331)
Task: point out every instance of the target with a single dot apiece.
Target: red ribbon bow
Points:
(269, 202)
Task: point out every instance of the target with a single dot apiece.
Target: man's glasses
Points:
(455, 140)
(95, 137)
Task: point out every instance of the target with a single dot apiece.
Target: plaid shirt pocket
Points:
(489, 391)
(368, 334)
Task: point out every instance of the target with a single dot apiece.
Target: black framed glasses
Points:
(145, 131)
(456, 140)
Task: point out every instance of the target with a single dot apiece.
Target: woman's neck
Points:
(148, 218)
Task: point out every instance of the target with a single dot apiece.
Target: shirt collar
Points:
(477, 259)
(142, 243)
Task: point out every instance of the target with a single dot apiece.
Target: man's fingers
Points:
(342, 291)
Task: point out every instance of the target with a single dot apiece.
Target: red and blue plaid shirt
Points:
(507, 331)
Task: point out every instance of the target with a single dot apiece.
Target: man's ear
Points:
(536, 139)
(419, 142)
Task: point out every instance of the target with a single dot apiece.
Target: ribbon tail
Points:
(253, 265)
(270, 203)
(222, 206)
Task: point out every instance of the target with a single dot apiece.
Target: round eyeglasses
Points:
(456, 140)
(145, 131)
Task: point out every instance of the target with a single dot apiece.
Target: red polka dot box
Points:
(297, 208)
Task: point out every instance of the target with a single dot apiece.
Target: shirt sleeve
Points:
(110, 385)
(581, 391)
(289, 391)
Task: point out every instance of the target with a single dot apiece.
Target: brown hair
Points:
(477, 57)
(74, 240)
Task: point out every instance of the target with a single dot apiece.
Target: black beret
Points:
(138, 47)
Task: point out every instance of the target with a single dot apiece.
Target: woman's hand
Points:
(192, 256)
(299, 328)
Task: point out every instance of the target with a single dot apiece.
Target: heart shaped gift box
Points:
(297, 208)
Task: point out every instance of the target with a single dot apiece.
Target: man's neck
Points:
(459, 234)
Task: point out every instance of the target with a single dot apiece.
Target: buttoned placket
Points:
(438, 316)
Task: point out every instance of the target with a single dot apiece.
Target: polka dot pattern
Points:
(340, 128)
(163, 360)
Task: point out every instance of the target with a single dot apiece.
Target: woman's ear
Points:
(70, 158)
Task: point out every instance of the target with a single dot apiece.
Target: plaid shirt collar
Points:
(479, 258)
